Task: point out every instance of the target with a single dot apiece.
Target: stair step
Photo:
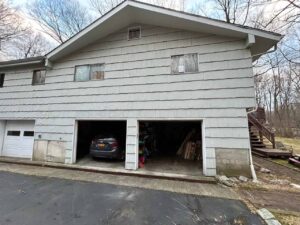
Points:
(257, 143)
(258, 146)
(255, 139)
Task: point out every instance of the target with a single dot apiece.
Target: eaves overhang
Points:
(133, 12)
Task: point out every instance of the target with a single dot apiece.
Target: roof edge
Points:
(22, 62)
(180, 14)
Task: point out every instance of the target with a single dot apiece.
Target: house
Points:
(137, 67)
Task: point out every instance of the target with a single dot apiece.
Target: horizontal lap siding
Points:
(138, 84)
(152, 113)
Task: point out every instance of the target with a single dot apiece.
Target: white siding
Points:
(132, 144)
(2, 135)
(139, 85)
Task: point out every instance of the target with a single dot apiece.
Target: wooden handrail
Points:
(263, 130)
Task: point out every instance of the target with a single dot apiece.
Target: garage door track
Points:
(29, 200)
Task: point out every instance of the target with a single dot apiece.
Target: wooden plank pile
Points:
(190, 149)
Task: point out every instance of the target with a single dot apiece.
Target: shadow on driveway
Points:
(29, 200)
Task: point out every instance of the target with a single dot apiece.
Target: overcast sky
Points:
(22, 3)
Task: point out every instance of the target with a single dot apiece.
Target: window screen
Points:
(2, 76)
(13, 133)
(89, 72)
(134, 33)
(28, 133)
(39, 77)
(184, 63)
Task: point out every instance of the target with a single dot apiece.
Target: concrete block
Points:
(56, 151)
(268, 217)
(40, 150)
(273, 222)
(233, 162)
(265, 214)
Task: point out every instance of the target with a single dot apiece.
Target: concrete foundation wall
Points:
(51, 151)
(233, 162)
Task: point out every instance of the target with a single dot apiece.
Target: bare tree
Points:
(29, 44)
(103, 6)
(232, 11)
(60, 19)
(294, 3)
(10, 22)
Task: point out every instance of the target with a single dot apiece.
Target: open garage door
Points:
(171, 146)
(101, 143)
(18, 139)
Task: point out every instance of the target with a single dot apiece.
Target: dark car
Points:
(107, 146)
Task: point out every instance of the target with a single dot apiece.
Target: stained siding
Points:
(139, 85)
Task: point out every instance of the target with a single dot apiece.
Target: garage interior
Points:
(171, 147)
(88, 130)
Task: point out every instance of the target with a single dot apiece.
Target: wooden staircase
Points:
(262, 139)
(254, 139)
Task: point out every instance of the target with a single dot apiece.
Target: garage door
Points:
(19, 139)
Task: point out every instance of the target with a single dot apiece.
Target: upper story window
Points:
(89, 72)
(2, 76)
(39, 77)
(134, 33)
(184, 63)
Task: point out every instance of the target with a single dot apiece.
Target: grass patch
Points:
(284, 162)
(294, 142)
(286, 219)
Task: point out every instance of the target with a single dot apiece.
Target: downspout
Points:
(253, 173)
(254, 177)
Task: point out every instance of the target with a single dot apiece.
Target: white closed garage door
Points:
(18, 139)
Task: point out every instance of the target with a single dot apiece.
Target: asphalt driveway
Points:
(29, 200)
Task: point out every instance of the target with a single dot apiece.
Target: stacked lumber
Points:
(190, 149)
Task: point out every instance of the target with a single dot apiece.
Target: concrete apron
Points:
(113, 171)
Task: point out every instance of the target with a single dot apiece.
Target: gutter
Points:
(9, 65)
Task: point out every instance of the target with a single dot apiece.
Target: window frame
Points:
(33, 74)
(132, 28)
(13, 133)
(2, 79)
(184, 55)
(90, 72)
(26, 132)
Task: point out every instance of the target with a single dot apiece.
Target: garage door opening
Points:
(171, 147)
(101, 143)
